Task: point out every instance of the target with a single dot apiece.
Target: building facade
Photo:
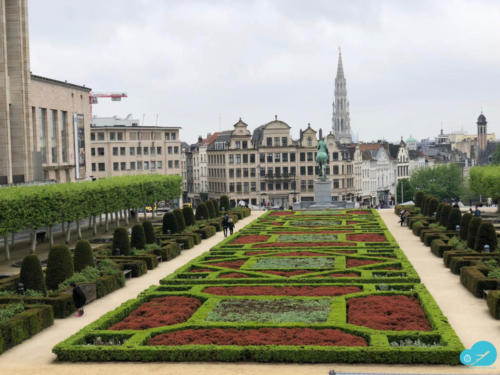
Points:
(125, 148)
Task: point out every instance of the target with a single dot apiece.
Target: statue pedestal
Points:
(322, 191)
(322, 199)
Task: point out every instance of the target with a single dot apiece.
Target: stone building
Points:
(121, 147)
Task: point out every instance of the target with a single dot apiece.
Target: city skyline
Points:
(410, 69)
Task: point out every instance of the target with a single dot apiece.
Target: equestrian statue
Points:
(322, 158)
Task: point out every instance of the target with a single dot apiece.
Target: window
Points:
(335, 169)
(93, 167)
(284, 141)
(115, 166)
(262, 157)
(176, 149)
(120, 136)
(292, 156)
(139, 165)
(167, 136)
(153, 149)
(284, 156)
(277, 156)
(253, 186)
(132, 165)
(269, 171)
(303, 185)
(100, 151)
(278, 186)
(245, 144)
(231, 187)
(53, 135)
(245, 158)
(270, 186)
(100, 136)
(252, 158)
(115, 151)
(285, 185)
(92, 136)
(231, 159)
(269, 141)
(335, 156)
(302, 156)
(176, 163)
(145, 150)
(173, 136)
(231, 173)
(302, 171)
(43, 134)
(159, 164)
(139, 150)
(310, 185)
(292, 171)
(123, 166)
(245, 172)
(92, 151)
(169, 150)
(122, 151)
(262, 186)
(277, 171)
(238, 159)
(252, 172)
(153, 164)
(309, 141)
(335, 184)
(158, 150)
(310, 171)
(238, 187)
(102, 167)
(131, 151)
(310, 156)
(237, 144)
(270, 157)
(238, 172)
(262, 172)
(146, 165)
(112, 136)
(170, 164)
(285, 171)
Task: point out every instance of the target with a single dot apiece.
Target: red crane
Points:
(115, 97)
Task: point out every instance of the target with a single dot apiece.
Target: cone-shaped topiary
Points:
(438, 211)
(419, 195)
(169, 223)
(188, 216)
(464, 226)
(83, 257)
(202, 211)
(121, 241)
(59, 266)
(486, 235)
(432, 206)
(211, 209)
(148, 232)
(138, 240)
(216, 206)
(31, 274)
(445, 212)
(454, 218)
(179, 217)
(474, 224)
(224, 203)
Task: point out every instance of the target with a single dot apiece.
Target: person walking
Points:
(230, 223)
(79, 299)
(225, 224)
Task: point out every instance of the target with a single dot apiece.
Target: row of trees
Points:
(33, 207)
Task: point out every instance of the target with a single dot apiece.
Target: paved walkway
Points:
(34, 356)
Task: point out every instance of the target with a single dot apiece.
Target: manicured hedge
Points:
(493, 301)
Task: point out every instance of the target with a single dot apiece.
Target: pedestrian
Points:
(78, 298)
(402, 217)
(225, 224)
(477, 212)
(230, 223)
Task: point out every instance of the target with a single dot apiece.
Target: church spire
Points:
(340, 68)
(341, 122)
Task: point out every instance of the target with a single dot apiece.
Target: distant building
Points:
(341, 119)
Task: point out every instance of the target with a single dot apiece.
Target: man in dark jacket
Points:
(79, 299)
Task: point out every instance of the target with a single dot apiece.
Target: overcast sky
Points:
(410, 65)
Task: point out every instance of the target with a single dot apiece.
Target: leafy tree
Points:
(419, 196)
(138, 240)
(179, 217)
(31, 274)
(464, 226)
(471, 234)
(59, 266)
(224, 202)
(442, 182)
(83, 257)
(454, 218)
(169, 223)
(485, 181)
(404, 187)
(495, 158)
(121, 241)
(486, 234)
(188, 216)
(149, 232)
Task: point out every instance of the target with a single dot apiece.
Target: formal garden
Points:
(305, 286)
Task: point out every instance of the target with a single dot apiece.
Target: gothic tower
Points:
(341, 121)
(481, 132)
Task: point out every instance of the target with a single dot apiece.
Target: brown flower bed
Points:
(259, 336)
(270, 290)
(233, 275)
(303, 244)
(286, 273)
(242, 240)
(347, 274)
(360, 212)
(277, 223)
(395, 313)
(257, 252)
(236, 264)
(353, 262)
(201, 270)
(162, 311)
(366, 237)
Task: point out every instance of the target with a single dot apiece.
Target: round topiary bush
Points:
(445, 212)
(148, 232)
(474, 224)
(179, 217)
(211, 209)
(188, 216)
(224, 203)
(464, 226)
(31, 274)
(419, 195)
(121, 241)
(83, 257)
(486, 235)
(138, 240)
(169, 223)
(454, 218)
(59, 266)
(202, 211)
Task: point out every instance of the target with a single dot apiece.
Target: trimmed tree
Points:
(425, 204)
(419, 196)
(149, 232)
(121, 241)
(224, 203)
(138, 240)
(31, 274)
(474, 224)
(445, 212)
(188, 216)
(438, 212)
(202, 211)
(454, 218)
(169, 223)
(59, 266)
(83, 257)
(432, 206)
(216, 206)
(179, 217)
(486, 235)
(211, 208)
(464, 226)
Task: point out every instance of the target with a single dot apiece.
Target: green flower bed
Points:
(293, 263)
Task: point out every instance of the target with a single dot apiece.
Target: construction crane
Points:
(115, 97)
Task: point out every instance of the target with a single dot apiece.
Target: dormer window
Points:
(309, 141)
(237, 144)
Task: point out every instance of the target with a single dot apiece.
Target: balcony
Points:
(278, 177)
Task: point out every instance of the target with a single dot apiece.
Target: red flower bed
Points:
(286, 273)
(281, 213)
(249, 239)
(233, 275)
(259, 336)
(359, 212)
(303, 244)
(281, 290)
(353, 222)
(395, 313)
(391, 268)
(352, 262)
(300, 253)
(201, 270)
(366, 237)
(257, 252)
(162, 311)
(316, 232)
(347, 274)
(277, 223)
(236, 264)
